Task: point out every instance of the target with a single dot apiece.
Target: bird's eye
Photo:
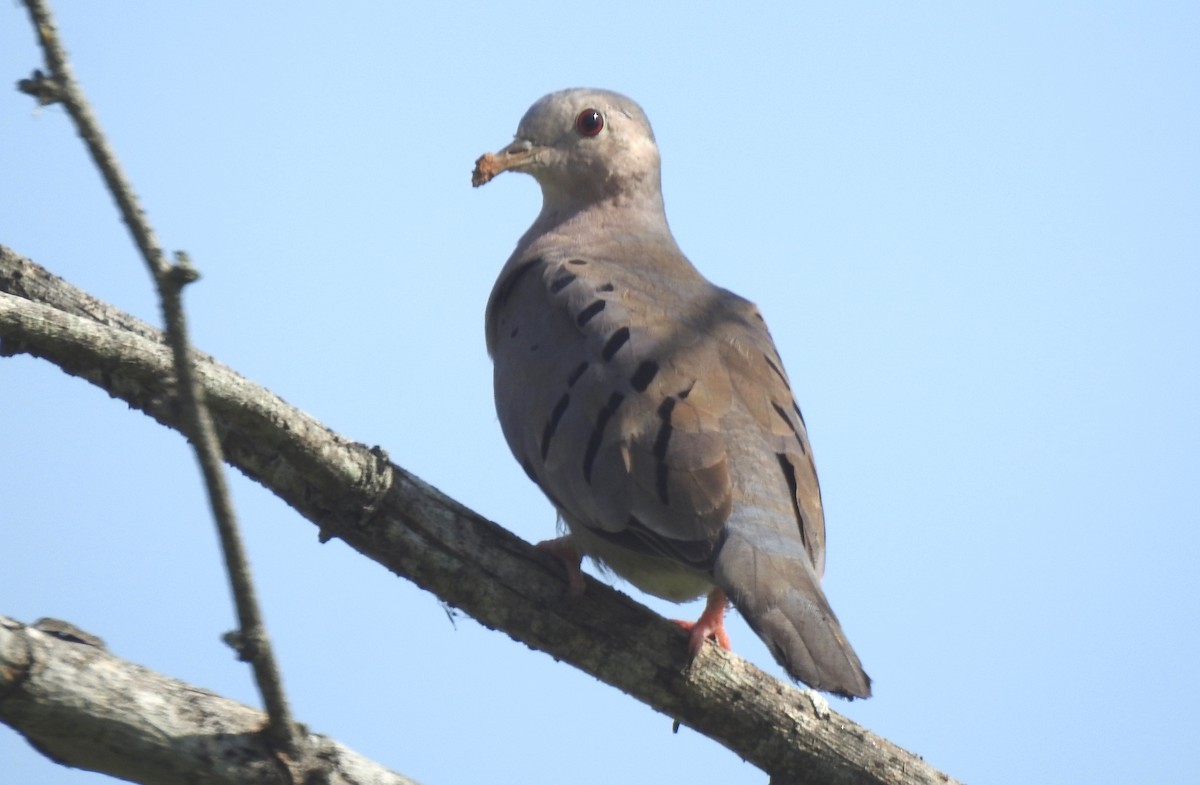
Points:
(589, 122)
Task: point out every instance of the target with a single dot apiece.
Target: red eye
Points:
(589, 122)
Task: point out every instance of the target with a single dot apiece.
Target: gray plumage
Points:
(649, 405)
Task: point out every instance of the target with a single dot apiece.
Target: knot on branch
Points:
(374, 484)
(46, 89)
(182, 273)
(247, 646)
(66, 631)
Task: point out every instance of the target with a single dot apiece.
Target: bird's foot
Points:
(564, 550)
(711, 624)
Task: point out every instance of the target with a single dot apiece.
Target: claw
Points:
(711, 624)
(564, 550)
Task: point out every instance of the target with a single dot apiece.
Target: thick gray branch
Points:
(81, 706)
(352, 492)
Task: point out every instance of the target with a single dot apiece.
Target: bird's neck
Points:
(617, 219)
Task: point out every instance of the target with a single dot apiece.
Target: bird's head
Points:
(582, 146)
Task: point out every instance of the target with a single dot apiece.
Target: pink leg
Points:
(711, 624)
(564, 550)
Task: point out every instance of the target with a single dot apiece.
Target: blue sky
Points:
(974, 231)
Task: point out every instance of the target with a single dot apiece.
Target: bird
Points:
(651, 406)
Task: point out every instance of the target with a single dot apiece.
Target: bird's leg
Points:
(711, 624)
(564, 550)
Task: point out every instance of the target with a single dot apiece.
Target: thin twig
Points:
(253, 644)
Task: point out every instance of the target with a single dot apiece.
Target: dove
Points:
(649, 405)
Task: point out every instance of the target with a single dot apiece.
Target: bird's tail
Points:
(770, 579)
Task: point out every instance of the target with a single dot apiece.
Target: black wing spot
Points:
(618, 339)
(661, 442)
(664, 432)
(586, 314)
(575, 374)
(796, 406)
(556, 415)
(644, 374)
(783, 415)
(789, 474)
(778, 371)
(577, 261)
(608, 287)
(593, 447)
(561, 282)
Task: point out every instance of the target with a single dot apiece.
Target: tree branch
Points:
(252, 642)
(390, 516)
(81, 706)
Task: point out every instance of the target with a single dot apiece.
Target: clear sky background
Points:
(974, 231)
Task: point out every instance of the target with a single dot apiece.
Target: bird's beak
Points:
(516, 156)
